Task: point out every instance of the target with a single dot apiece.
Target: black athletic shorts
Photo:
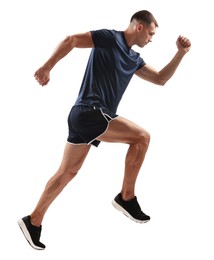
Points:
(87, 123)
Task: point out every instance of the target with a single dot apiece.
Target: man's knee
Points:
(144, 138)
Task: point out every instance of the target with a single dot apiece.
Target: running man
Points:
(93, 118)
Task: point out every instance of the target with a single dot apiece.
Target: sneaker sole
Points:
(27, 234)
(126, 213)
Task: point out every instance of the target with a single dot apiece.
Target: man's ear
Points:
(139, 27)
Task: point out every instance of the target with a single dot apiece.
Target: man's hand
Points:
(42, 75)
(183, 44)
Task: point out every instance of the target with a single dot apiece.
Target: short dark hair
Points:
(144, 16)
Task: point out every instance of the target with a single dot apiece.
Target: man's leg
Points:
(124, 131)
(73, 158)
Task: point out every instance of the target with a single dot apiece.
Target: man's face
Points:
(145, 33)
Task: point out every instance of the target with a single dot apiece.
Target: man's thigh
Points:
(123, 130)
(74, 156)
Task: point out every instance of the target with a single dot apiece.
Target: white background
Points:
(175, 185)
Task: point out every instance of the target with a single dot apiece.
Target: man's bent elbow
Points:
(160, 82)
(69, 40)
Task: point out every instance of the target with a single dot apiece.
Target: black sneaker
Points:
(130, 208)
(31, 233)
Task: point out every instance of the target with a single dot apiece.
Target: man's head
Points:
(141, 29)
(144, 16)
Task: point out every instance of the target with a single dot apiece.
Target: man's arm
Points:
(161, 77)
(84, 40)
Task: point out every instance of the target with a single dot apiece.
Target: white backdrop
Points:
(175, 186)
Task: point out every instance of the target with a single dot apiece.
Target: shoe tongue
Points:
(131, 201)
(135, 198)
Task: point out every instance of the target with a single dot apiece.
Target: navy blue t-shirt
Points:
(111, 65)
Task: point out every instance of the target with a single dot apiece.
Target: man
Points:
(93, 118)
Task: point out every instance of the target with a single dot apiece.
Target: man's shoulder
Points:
(105, 32)
(104, 37)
